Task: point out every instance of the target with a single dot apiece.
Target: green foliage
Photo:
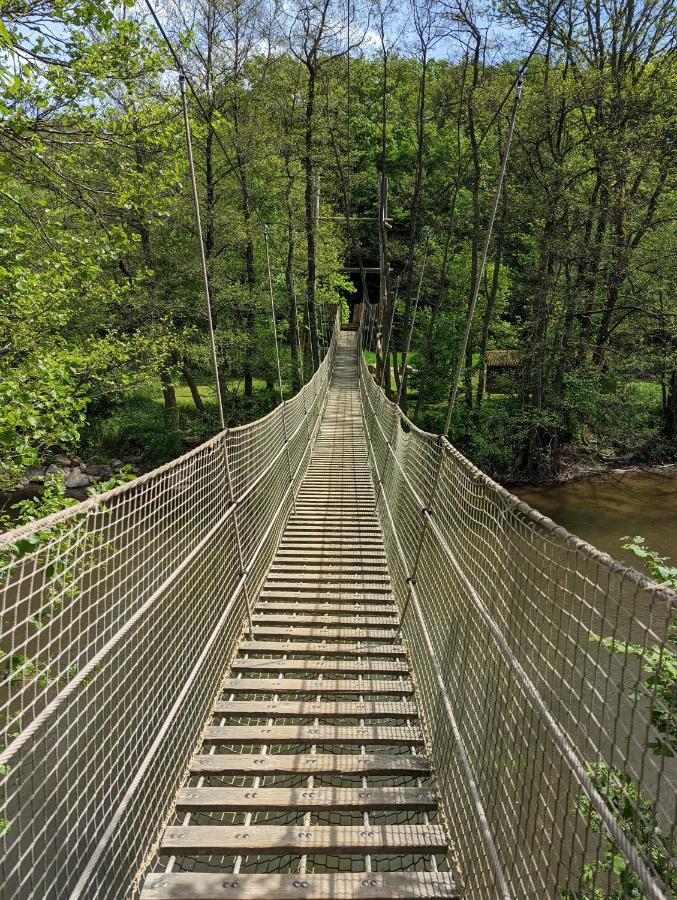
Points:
(637, 818)
(41, 406)
(653, 562)
(658, 663)
(100, 275)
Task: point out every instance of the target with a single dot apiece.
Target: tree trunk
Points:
(491, 301)
(296, 373)
(670, 409)
(476, 210)
(396, 371)
(415, 200)
(311, 223)
(192, 384)
(169, 396)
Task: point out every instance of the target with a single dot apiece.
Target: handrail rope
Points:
(485, 828)
(112, 826)
(665, 595)
(57, 701)
(559, 736)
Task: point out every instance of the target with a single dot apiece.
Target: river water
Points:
(605, 508)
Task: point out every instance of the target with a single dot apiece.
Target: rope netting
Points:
(547, 675)
(119, 617)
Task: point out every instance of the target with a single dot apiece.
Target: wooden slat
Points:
(333, 606)
(306, 764)
(325, 886)
(218, 799)
(362, 649)
(331, 515)
(339, 585)
(355, 570)
(201, 839)
(306, 685)
(368, 666)
(326, 578)
(310, 734)
(316, 545)
(332, 553)
(336, 596)
(336, 634)
(379, 621)
(315, 708)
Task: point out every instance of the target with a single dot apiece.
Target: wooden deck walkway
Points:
(327, 779)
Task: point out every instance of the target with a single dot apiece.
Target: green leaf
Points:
(620, 864)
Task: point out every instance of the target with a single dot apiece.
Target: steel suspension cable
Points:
(234, 167)
(277, 355)
(201, 247)
(521, 72)
(405, 349)
(460, 363)
(212, 343)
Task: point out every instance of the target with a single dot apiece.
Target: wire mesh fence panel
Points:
(119, 618)
(547, 673)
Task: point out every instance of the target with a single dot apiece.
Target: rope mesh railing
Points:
(533, 653)
(119, 616)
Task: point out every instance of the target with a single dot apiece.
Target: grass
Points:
(207, 391)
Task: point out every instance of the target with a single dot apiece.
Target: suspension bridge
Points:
(323, 656)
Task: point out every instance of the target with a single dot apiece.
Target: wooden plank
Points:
(335, 596)
(218, 799)
(315, 709)
(317, 546)
(305, 685)
(361, 649)
(323, 579)
(380, 621)
(325, 886)
(338, 585)
(333, 552)
(367, 666)
(336, 634)
(359, 839)
(304, 566)
(333, 511)
(335, 532)
(307, 764)
(325, 606)
(310, 734)
(320, 553)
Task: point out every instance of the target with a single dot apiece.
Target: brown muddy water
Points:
(605, 508)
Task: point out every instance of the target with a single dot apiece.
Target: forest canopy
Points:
(298, 112)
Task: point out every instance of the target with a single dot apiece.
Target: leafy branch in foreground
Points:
(635, 814)
(654, 563)
(637, 818)
(658, 662)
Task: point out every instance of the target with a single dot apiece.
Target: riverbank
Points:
(79, 477)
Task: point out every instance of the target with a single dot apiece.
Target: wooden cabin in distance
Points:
(502, 371)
